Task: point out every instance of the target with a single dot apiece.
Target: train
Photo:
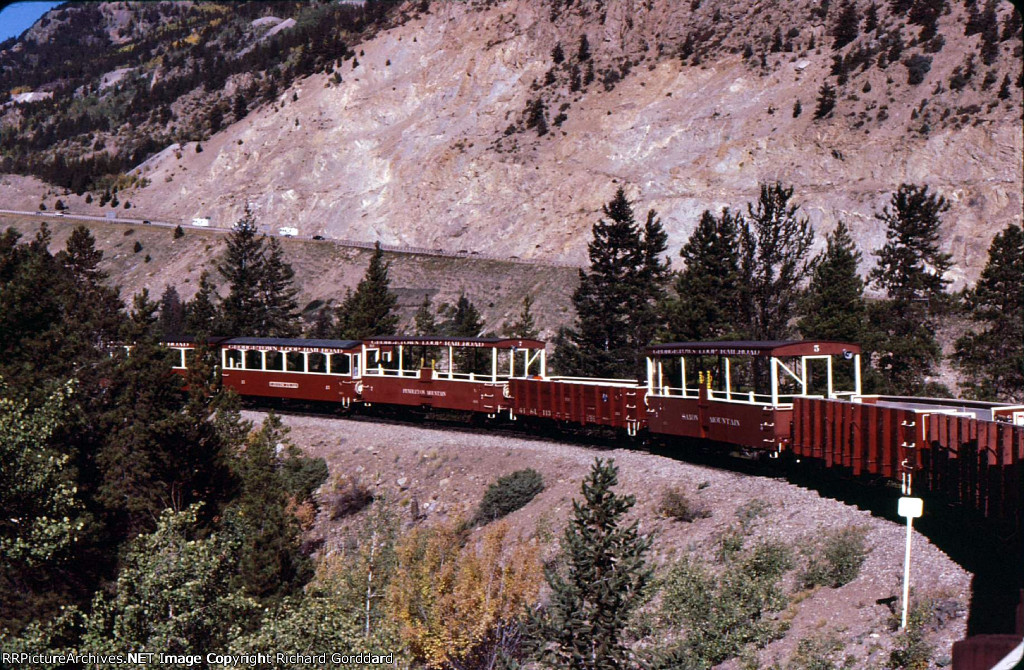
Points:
(799, 399)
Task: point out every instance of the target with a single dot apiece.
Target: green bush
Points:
(727, 614)
(819, 652)
(838, 558)
(509, 493)
(912, 651)
(676, 505)
(302, 475)
(178, 232)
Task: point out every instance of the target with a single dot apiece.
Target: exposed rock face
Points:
(411, 146)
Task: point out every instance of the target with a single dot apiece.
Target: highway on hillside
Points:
(397, 249)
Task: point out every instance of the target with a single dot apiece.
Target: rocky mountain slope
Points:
(432, 135)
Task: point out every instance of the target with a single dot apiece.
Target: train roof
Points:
(755, 348)
(469, 342)
(291, 343)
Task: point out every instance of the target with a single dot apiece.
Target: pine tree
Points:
(424, 319)
(322, 327)
(774, 247)
(708, 302)
(826, 101)
(994, 357)
(557, 54)
(583, 53)
(369, 310)
(172, 313)
(911, 270)
(242, 268)
(201, 316)
(834, 307)
(463, 319)
(602, 583)
(871, 18)
(846, 28)
(524, 326)
(278, 307)
(617, 300)
(271, 564)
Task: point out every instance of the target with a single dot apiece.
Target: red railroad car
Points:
(744, 391)
(473, 375)
(296, 369)
(616, 403)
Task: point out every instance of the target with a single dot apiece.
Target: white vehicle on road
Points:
(201, 222)
(287, 231)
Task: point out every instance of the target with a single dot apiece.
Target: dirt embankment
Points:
(446, 473)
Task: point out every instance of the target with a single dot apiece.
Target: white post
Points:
(775, 382)
(910, 508)
(401, 360)
(543, 363)
(451, 362)
(661, 377)
(511, 363)
(263, 360)
(856, 374)
(728, 380)
(682, 365)
(494, 365)
(830, 392)
(803, 375)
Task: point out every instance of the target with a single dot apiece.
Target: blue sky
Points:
(19, 17)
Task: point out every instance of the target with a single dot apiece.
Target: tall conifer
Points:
(708, 291)
(834, 307)
(911, 270)
(242, 268)
(994, 357)
(601, 584)
(369, 310)
(616, 301)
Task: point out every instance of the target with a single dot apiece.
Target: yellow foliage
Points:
(21, 89)
(449, 599)
(192, 39)
(304, 512)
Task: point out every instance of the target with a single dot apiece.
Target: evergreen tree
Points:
(846, 28)
(911, 270)
(994, 357)
(826, 101)
(242, 268)
(708, 302)
(201, 316)
(774, 246)
(424, 319)
(278, 307)
(601, 584)
(370, 309)
(583, 53)
(834, 307)
(172, 313)
(871, 18)
(617, 300)
(322, 327)
(463, 319)
(524, 326)
(557, 54)
(270, 564)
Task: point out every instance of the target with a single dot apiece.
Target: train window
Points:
(317, 363)
(296, 361)
(253, 360)
(233, 358)
(178, 358)
(340, 364)
(275, 361)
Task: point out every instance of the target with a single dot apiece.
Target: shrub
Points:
(676, 505)
(179, 232)
(838, 559)
(138, 246)
(302, 474)
(912, 651)
(347, 496)
(725, 613)
(917, 67)
(509, 493)
(819, 652)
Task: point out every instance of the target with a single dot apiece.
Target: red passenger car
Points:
(317, 370)
(465, 374)
(742, 393)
